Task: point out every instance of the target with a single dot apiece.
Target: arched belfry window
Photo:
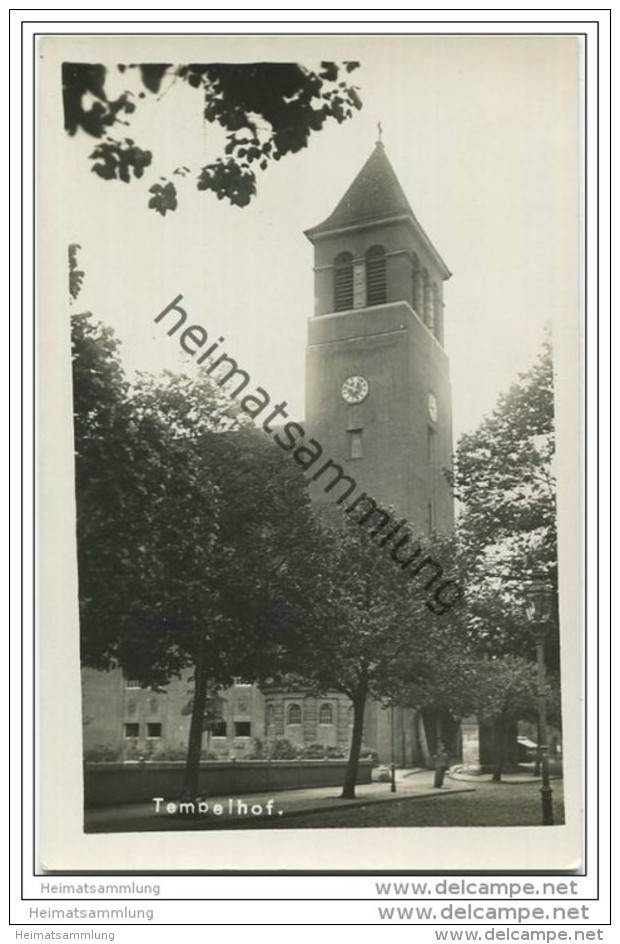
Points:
(326, 714)
(376, 276)
(293, 715)
(343, 281)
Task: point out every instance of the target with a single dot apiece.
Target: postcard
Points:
(309, 378)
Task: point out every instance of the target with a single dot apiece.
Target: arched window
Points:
(326, 714)
(343, 281)
(376, 276)
(293, 714)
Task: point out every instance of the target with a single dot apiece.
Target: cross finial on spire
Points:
(380, 133)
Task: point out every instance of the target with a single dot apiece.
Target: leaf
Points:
(268, 109)
(152, 74)
(164, 198)
(118, 160)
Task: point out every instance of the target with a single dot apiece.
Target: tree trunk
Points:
(194, 746)
(422, 740)
(438, 729)
(350, 777)
(500, 742)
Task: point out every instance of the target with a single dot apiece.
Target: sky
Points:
(483, 133)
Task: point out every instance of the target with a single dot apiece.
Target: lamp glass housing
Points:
(538, 601)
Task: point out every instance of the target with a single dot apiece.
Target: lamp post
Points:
(538, 602)
(392, 751)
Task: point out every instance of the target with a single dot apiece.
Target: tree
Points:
(213, 710)
(503, 475)
(193, 532)
(499, 690)
(507, 692)
(137, 488)
(268, 109)
(479, 657)
(370, 628)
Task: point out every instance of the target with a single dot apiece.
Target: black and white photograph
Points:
(309, 375)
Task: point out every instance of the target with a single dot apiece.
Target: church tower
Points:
(377, 376)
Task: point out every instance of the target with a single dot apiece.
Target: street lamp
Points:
(392, 751)
(538, 604)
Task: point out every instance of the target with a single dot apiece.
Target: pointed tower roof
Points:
(375, 196)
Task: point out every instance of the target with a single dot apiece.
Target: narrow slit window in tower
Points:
(356, 446)
(376, 276)
(343, 282)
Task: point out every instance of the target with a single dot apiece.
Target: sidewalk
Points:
(513, 777)
(234, 812)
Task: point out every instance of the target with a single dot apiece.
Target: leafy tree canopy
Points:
(504, 477)
(268, 110)
(371, 628)
(196, 542)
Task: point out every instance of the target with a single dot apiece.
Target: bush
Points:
(334, 753)
(101, 753)
(313, 752)
(258, 752)
(367, 753)
(132, 752)
(171, 753)
(209, 755)
(283, 749)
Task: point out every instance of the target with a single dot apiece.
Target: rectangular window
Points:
(431, 448)
(354, 416)
(356, 448)
(131, 730)
(132, 684)
(219, 730)
(243, 729)
(153, 729)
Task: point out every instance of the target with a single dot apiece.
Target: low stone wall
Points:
(108, 784)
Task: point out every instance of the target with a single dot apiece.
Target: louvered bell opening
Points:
(376, 277)
(343, 284)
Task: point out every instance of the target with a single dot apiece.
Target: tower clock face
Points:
(432, 408)
(355, 389)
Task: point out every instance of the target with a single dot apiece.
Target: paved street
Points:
(474, 802)
(250, 810)
(502, 804)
